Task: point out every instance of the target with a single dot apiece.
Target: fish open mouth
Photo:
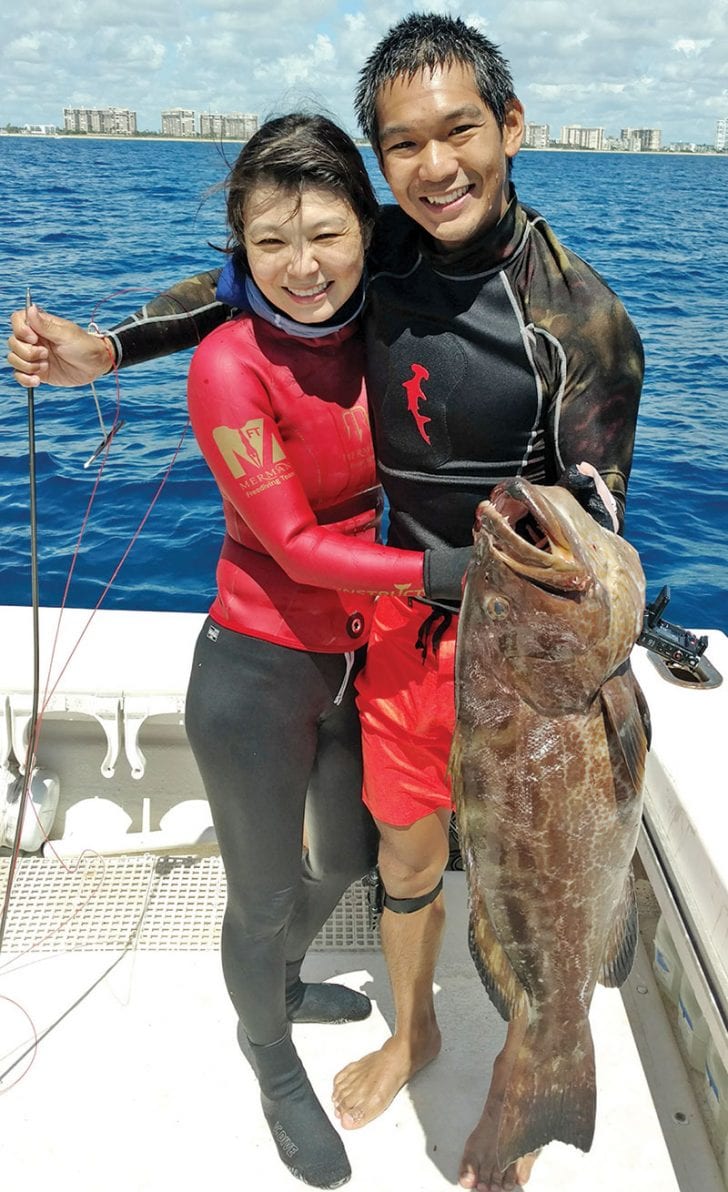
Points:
(528, 535)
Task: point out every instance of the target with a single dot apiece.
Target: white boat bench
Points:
(118, 667)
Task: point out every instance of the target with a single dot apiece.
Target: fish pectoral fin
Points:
(491, 962)
(453, 764)
(622, 939)
(627, 720)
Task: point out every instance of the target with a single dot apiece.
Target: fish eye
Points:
(497, 608)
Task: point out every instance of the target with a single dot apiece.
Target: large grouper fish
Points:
(547, 768)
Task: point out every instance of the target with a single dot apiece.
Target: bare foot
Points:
(479, 1167)
(365, 1088)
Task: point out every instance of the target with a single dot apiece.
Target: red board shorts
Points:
(407, 711)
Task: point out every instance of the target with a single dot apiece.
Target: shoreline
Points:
(197, 140)
(109, 136)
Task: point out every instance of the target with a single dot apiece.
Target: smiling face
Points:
(443, 153)
(305, 255)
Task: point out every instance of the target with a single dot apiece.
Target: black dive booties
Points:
(318, 1002)
(307, 1143)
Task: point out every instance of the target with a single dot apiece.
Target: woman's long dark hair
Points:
(294, 152)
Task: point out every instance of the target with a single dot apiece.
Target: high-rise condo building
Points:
(108, 121)
(641, 139)
(582, 138)
(178, 122)
(233, 126)
(536, 136)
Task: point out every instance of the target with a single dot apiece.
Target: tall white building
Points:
(119, 122)
(241, 125)
(582, 138)
(641, 139)
(211, 124)
(234, 126)
(536, 136)
(178, 122)
(721, 135)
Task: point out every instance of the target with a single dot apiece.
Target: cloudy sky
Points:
(626, 63)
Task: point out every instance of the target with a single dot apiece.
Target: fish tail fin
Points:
(551, 1094)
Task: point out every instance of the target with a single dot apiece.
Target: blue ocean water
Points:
(96, 227)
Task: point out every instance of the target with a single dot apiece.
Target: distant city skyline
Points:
(186, 123)
(572, 62)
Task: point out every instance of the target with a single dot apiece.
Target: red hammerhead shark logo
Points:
(413, 389)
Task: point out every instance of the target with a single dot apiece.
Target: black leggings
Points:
(272, 745)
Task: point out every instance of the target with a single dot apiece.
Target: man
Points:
(491, 350)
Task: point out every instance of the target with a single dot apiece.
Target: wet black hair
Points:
(293, 152)
(425, 41)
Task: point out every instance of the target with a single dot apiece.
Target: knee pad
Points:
(406, 906)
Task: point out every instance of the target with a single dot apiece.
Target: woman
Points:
(278, 407)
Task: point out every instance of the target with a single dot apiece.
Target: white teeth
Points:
(452, 197)
(310, 292)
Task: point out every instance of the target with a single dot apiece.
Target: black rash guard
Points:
(511, 356)
(508, 356)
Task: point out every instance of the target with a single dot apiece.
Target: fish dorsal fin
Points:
(622, 940)
(628, 725)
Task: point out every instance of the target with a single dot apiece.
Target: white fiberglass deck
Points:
(141, 1086)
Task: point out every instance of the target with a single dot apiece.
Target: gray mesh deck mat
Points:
(152, 903)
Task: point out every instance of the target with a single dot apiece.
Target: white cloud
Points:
(576, 90)
(25, 49)
(719, 103)
(688, 45)
(145, 51)
(303, 67)
(572, 61)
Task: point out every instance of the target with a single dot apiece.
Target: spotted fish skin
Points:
(547, 768)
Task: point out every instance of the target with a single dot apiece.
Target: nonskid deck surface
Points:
(141, 1086)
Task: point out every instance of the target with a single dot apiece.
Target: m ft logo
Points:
(248, 449)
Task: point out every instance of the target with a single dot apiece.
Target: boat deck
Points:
(137, 1082)
(111, 962)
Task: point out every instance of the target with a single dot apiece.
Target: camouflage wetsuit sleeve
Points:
(590, 356)
(179, 318)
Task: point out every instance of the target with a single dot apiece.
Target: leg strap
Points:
(405, 906)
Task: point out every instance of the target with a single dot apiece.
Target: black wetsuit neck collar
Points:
(486, 250)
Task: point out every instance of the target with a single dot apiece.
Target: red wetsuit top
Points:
(283, 425)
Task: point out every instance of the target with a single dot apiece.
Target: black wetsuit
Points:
(275, 733)
(509, 356)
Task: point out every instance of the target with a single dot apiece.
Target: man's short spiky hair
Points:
(424, 41)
